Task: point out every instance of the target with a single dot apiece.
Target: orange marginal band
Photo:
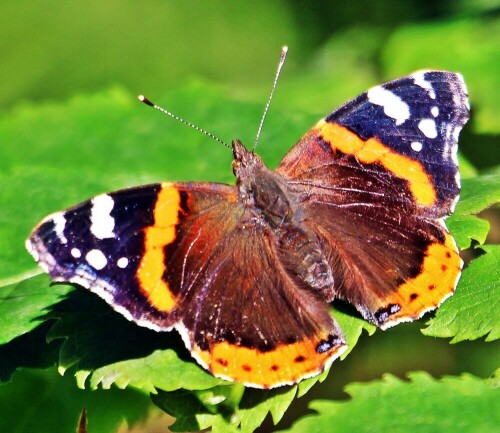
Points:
(373, 151)
(157, 236)
(438, 278)
(286, 364)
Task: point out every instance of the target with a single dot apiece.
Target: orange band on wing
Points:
(373, 151)
(437, 281)
(286, 364)
(162, 233)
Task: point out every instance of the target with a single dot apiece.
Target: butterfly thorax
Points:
(270, 203)
(263, 191)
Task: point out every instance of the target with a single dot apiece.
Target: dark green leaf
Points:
(190, 414)
(22, 304)
(43, 402)
(28, 350)
(98, 339)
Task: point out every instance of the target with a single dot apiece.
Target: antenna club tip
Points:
(145, 100)
(284, 48)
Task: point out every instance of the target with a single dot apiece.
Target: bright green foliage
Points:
(424, 404)
(477, 193)
(56, 154)
(162, 369)
(474, 310)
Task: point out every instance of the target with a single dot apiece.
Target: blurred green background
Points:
(53, 50)
(56, 50)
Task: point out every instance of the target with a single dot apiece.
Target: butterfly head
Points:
(245, 162)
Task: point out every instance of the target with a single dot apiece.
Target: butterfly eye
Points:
(236, 166)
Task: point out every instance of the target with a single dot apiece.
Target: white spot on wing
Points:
(456, 132)
(102, 223)
(419, 79)
(416, 146)
(435, 111)
(96, 259)
(59, 222)
(428, 128)
(76, 253)
(32, 250)
(393, 105)
(122, 262)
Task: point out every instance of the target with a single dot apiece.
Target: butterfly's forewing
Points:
(375, 178)
(180, 255)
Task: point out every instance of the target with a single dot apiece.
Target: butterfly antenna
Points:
(284, 50)
(146, 101)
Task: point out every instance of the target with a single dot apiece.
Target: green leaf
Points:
(474, 310)
(466, 228)
(258, 403)
(467, 170)
(22, 304)
(189, 412)
(304, 386)
(478, 193)
(29, 350)
(162, 369)
(192, 414)
(104, 347)
(465, 404)
(41, 401)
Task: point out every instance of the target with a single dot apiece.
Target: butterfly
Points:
(245, 273)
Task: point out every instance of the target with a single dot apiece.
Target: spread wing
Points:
(184, 256)
(375, 179)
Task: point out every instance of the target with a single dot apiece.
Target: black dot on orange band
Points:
(222, 362)
(448, 254)
(246, 367)
(275, 367)
(413, 296)
(300, 358)
(431, 286)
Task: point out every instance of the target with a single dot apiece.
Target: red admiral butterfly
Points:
(245, 273)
